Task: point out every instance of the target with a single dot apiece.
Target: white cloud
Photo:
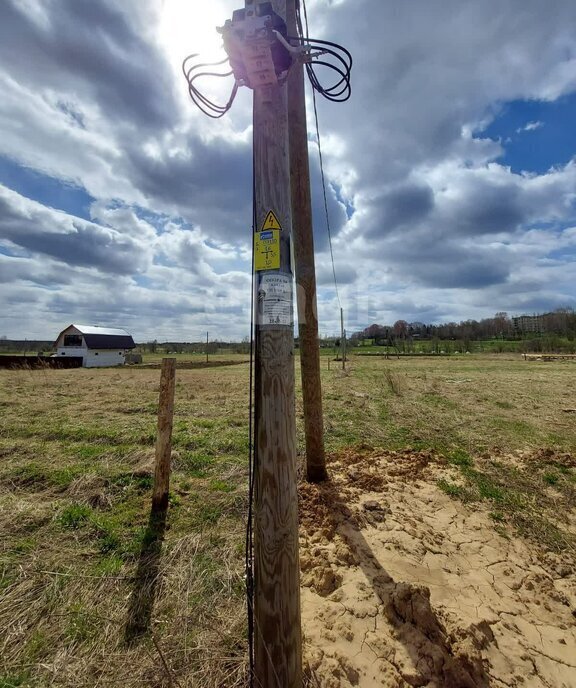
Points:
(530, 126)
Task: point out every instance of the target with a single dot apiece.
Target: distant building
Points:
(97, 346)
(528, 324)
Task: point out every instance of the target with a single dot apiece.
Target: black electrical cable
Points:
(207, 106)
(252, 453)
(339, 91)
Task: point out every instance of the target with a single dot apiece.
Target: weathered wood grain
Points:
(305, 270)
(278, 642)
(164, 436)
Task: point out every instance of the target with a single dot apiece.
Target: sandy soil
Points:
(404, 586)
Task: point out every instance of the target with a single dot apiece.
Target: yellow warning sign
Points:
(271, 221)
(267, 249)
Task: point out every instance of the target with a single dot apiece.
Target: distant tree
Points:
(400, 329)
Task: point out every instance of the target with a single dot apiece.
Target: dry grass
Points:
(76, 451)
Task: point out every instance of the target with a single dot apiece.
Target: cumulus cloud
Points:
(37, 229)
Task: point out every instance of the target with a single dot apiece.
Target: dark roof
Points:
(103, 337)
(109, 341)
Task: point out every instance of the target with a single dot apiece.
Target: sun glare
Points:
(189, 26)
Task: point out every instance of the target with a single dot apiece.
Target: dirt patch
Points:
(404, 586)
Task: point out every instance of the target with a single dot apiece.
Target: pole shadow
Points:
(406, 606)
(147, 576)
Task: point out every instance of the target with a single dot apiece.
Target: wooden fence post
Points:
(164, 437)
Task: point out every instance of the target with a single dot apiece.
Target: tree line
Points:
(555, 328)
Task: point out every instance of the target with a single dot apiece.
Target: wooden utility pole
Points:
(164, 437)
(277, 642)
(206, 347)
(304, 265)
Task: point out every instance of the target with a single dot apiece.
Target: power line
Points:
(325, 199)
(331, 94)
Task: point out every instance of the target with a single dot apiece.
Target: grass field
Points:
(76, 457)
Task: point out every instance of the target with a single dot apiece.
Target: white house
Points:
(98, 346)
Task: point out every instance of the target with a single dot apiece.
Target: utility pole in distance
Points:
(342, 339)
(304, 265)
(258, 62)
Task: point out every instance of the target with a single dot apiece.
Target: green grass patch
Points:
(139, 482)
(81, 624)
(551, 478)
(439, 401)
(108, 565)
(460, 457)
(86, 452)
(33, 476)
(24, 545)
(18, 680)
(75, 516)
(454, 490)
(205, 515)
(195, 464)
(221, 486)
(518, 496)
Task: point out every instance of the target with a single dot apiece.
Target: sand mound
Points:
(403, 586)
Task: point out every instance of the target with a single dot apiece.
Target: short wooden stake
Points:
(164, 437)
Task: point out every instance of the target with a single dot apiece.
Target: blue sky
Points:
(535, 135)
(450, 173)
(45, 189)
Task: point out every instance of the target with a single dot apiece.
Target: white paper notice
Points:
(275, 299)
